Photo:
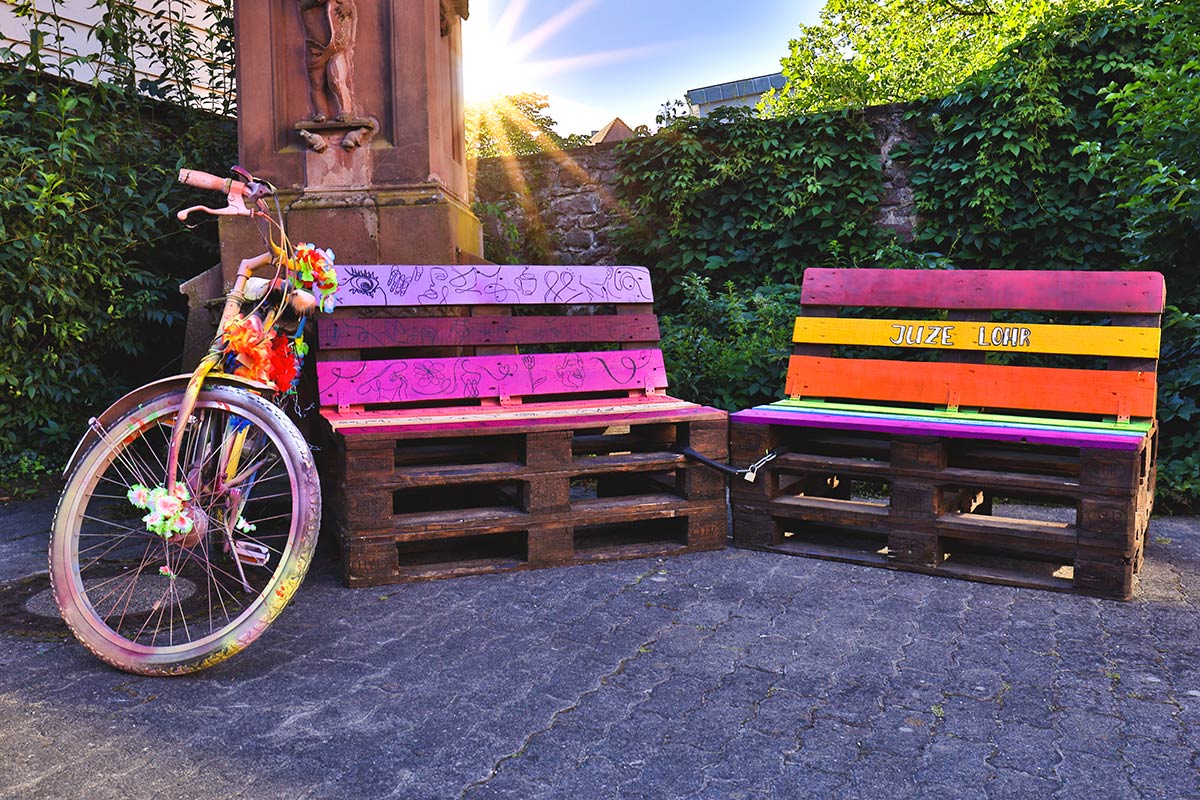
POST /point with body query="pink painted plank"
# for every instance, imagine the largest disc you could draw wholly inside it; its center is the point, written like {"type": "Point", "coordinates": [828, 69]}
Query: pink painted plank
{"type": "Point", "coordinates": [574, 418]}
{"type": "Point", "coordinates": [411, 285]}
{"type": "Point", "coordinates": [764, 415]}
{"type": "Point", "coordinates": [453, 331]}
{"type": "Point", "coordinates": [1032, 290]}
{"type": "Point", "coordinates": [430, 379]}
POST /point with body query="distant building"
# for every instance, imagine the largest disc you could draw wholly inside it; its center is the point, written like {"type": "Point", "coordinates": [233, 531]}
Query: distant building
{"type": "Point", "coordinates": [615, 131]}
{"type": "Point", "coordinates": [735, 93]}
{"type": "Point", "coordinates": [71, 25]}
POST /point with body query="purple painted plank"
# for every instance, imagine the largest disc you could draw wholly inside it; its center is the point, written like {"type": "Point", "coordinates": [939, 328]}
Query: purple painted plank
{"type": "Point", "coordinates": [428, 379]}
{"type": "Point", "coordinates": [895, 427]}
{"type": "Point", "coordinates": [1031, 290]}
{"type": "Point", "coordinates": [453, 331]}
{"type": "Point", "coordinates": [410, 285]}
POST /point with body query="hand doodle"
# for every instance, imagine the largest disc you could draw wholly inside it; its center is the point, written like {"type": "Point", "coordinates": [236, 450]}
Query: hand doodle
{"type": "Point", "coordinates": [400, 279]}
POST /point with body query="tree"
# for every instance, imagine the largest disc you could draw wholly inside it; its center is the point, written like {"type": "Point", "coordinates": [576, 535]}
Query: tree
{"type": "Point", "coordinates": [1155, 159]}
{"type": "Point", "coordinates": [516, 125]}
{"type": "Point", "coordinates": [870, 52]}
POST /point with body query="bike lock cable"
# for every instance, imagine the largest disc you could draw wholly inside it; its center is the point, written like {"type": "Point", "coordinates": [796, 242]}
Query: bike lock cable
{"type": "Point", "coordinates": [748, 473]}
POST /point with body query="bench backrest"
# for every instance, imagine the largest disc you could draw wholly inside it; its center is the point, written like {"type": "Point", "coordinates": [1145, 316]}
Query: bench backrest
{"type": "Point", "coordinates": [949, 315]}
{"type": "Point", "coordinates": [452, 335]}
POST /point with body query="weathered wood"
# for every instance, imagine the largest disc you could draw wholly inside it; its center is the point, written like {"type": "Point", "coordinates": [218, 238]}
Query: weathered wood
{"type": "Point", "coordinates": [975, 385]}
{"type": "Point", "coordinates": [470, 331]}
{"type": "Point", "coordinates": [1030, 290]}
{"type": "Point", "coordinates": [348, 383]}
{"type": "Point", "coordinates": [447, 285]}
{"type": "Point", "coordinates": [902, 427]}
{"type": "Point", "coordinates": [1090, 340]}
{"type": "Point", "coordinates": [462, 455]}
{"type": "Point", "coordinates": [930, 445]}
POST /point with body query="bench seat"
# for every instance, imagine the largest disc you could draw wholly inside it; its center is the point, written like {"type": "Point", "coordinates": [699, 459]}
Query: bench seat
{"type": "Point", "coordinates": [925, 406]}
{"type": "Point", "coordinates": [486, 418]}
{"type": "Point", "coordinates": [525, 418]}
{"type": "Point", "coordinates": [950, 424]}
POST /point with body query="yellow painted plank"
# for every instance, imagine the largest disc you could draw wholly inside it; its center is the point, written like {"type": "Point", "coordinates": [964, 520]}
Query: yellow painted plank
{"type": "Point", "coordinates": [1085, 340]}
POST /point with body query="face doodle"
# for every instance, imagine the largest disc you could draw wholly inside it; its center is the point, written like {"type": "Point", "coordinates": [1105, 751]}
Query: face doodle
{"type": "Point", "coordinates": [570, 371]}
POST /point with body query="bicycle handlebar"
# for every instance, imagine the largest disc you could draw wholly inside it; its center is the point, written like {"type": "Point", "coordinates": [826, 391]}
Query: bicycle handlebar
{"type": "Point", "coordinates": [205, 180]}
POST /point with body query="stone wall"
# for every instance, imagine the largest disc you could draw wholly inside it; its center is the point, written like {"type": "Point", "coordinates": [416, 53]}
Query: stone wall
{"type": "Point", "coordinates": [562, 205]}
{"type": "Point", "coordinates": [561, 208]}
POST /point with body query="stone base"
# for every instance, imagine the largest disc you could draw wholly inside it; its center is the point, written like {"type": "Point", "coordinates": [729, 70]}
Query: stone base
{"type": "Point", "coordinates": [403, 225]}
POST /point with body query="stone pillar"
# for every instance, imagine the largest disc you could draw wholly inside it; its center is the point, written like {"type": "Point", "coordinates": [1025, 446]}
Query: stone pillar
{"type": "Point", "coordinates": [354, 110]}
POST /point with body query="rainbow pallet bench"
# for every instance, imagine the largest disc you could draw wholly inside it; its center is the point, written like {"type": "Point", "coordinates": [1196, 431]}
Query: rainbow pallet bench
{"type": "Point", "coordinates": [491, 418]}
{"type": "Point", "coordinates": [900, 463]}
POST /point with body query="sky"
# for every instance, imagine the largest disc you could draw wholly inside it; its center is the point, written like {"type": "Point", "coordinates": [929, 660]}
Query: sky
{"type": "Point", "coordinates": [599, 59]}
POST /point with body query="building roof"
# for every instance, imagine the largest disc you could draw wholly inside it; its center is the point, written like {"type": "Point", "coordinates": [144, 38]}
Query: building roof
{"type": "Point", "coordinates": [614, 131]}
{"type": "Point", "coordinates": [733, 90]}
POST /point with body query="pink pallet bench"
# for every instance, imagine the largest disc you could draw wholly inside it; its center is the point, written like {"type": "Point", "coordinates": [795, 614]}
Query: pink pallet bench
{"type": "Point", "coordinates": [489, 418]}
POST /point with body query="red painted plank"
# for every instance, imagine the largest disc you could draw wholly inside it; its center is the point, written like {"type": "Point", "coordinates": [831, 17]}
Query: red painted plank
{"type": "Point", "coordinates": [1109, 393]}
{"type": "Point", "coordinates": [1032, 290]}
{"type": "Point", "coordinates": [465, 331]}
{"type": "Point", "coordinates": [434, 379]}
{"type": "Point", "coordinates": [765, 415]}
{"type": "Point", "coordinates": [445, 284]}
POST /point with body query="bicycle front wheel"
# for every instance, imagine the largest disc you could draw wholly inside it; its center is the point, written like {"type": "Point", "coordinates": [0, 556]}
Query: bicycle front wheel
{"type": "Point", "coordinates": [167, 602]}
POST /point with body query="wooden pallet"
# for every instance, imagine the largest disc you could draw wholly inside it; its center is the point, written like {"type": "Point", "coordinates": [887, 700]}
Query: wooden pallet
{"type": "Point", "coordinates": [454, 450]}
{"type": "Point", "coordinates": [879, 474]}
{"type": "Point", "coordinates": [929, 505]}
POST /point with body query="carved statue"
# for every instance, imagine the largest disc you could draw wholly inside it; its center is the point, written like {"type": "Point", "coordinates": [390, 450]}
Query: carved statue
{"type": "Point", "coordinates": [329, 33]}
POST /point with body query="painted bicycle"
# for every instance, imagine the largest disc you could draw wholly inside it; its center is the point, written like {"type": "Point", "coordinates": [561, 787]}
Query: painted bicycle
{"type": "Point", "coordinates": [192, 505]}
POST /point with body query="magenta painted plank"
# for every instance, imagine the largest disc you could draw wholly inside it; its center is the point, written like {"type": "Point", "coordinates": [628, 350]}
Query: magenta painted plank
{"type": "Point", "coordinates": [424, 285]}
{"type": "Point", "coordinates": [430, 379]}
{"type": "Point", "coordinates": [1032, 290]}
{"type": "Point", "coordinates": [575, 420]}
{"type": "Point", "coordinates": [453, 331]}
{"type": "Point", "coordinates": [885, 425]}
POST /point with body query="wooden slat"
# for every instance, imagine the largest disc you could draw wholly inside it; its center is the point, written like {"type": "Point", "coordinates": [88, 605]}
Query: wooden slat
{"type": "Point", "coordinates": [424, 285]}
{"type": "Point", "coordinates": [433, 379]}
{"type": "Point", "coordinates": [1029, 290]}
{"type": "Point", "coordinates": [1089, 340]}
{"type": "Point", "coordinates": [467, 331]}
{"type": "Point", "coordinates": [764, 415]}
{"type": "Point", "coordinates": [1040, 389]}
{"type": "Point", "coordinates": [1139, 426]}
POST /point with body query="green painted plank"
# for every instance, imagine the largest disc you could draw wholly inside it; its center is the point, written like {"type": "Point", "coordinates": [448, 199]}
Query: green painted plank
{"type": "Point", "coordinates": [1138, 427]}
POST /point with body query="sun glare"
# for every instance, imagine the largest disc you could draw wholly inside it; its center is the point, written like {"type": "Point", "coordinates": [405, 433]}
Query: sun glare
{"type": "Point", "coordinates": [501, 60]}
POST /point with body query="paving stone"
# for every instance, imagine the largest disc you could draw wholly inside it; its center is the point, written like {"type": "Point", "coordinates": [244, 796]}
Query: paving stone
{"type": "Point", "coordinates": [718, 675]}
{"type": "Point", "coordinates": [1013, 785]}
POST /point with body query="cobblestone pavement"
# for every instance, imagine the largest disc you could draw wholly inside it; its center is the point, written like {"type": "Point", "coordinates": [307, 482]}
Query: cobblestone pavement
{"type": "Point", "coordinates": [722, 675]}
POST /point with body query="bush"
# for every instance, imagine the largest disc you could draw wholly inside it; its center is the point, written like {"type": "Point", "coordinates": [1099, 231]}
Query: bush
{"type": "Point", "coordinates": [736, 198]}
{"type": "Point", "coordinates": [1179, 411]}
{"type": "Point", "coordinates": [729, 349]}
{"type": "Point", "coordinates": [91, 253]}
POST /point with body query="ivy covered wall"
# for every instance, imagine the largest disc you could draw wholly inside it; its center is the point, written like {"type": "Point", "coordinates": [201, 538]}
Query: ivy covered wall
{"type": "Point", "coordinates": [1079, 149]}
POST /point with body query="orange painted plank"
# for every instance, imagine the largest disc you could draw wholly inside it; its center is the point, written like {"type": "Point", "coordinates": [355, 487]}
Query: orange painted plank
{"type": "Point", "coordinates": [979, 289]}
{"type": "Point", "coordinates": [1108, 393]}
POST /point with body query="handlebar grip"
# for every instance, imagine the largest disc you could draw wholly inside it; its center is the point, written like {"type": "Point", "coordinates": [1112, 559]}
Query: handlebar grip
{"type": "Point", "coordinates": [205, 180]}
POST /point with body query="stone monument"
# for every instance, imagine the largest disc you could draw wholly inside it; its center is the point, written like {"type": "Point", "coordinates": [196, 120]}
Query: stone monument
{"type": "Point", "coordinates": [354, 109]}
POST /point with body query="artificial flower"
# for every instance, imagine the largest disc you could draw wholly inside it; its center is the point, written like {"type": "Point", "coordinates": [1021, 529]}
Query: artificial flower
{"type": "Point", "coordinates": [312, 268]}
{"type": "Point", "coordinates": [139, 495]}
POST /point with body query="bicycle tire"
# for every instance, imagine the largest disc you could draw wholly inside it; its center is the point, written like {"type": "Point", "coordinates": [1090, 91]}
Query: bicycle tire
{"type": "Point", "coordinates": [103, 593]}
